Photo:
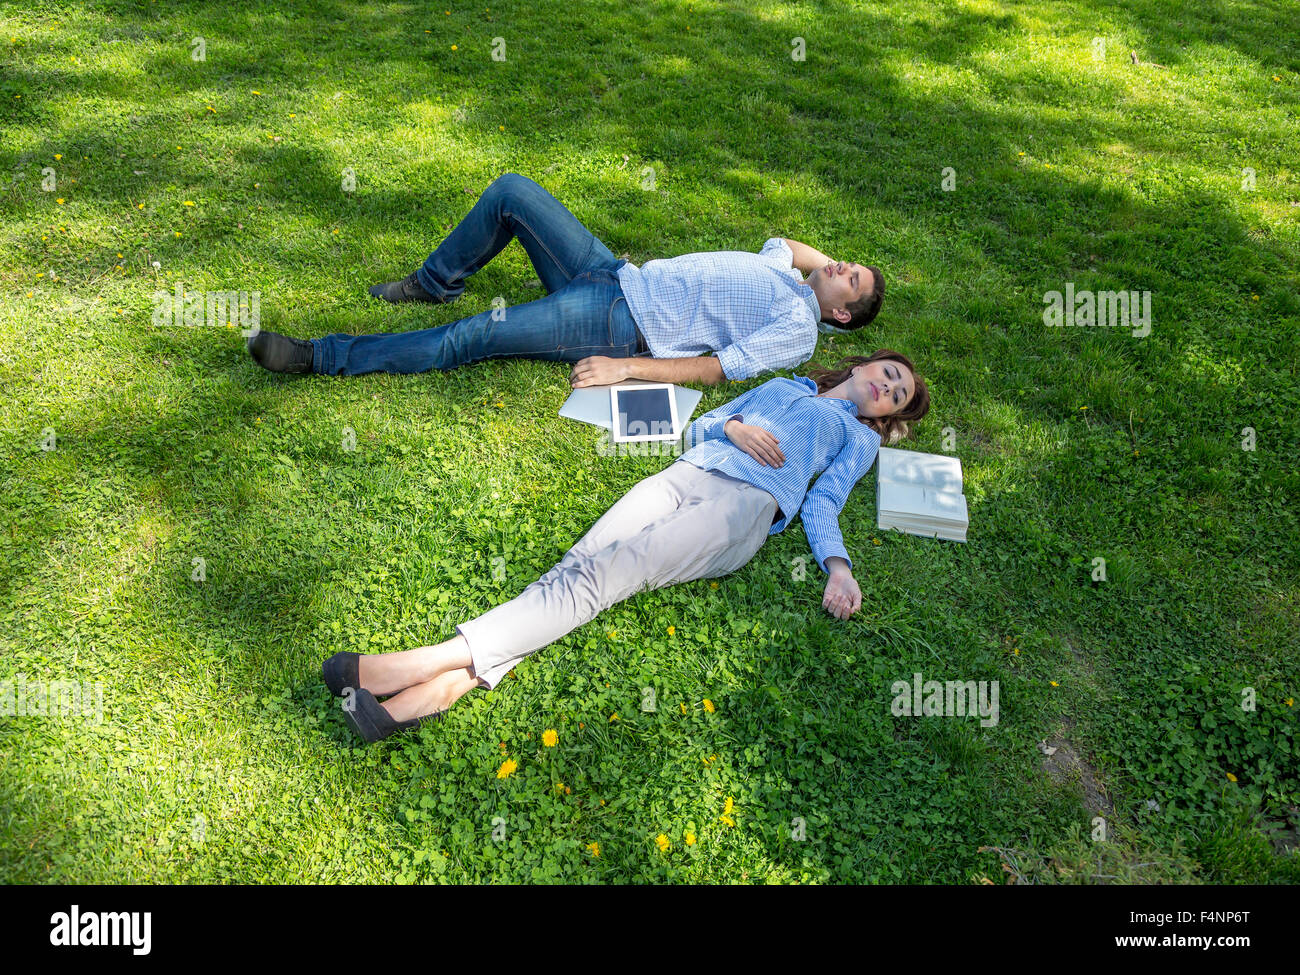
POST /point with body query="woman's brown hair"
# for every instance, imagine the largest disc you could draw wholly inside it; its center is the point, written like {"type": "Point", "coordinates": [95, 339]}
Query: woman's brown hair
{"type": "Point", "coordinates": [895, 426]}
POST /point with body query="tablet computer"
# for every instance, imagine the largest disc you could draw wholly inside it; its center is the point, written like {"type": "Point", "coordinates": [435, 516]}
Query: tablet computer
{"type": "Point", "coordinates": [647, 411]}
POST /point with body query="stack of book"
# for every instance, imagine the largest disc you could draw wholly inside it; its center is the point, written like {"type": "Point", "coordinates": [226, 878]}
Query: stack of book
{"type": "Point", "coordinates": [920, 494]}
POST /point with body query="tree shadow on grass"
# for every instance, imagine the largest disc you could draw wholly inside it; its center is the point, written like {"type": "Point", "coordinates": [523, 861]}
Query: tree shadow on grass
{"type": "Point", "coordinates": [868, 147]}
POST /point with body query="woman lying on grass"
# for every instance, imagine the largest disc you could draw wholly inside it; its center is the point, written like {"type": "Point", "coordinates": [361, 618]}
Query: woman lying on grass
{"type": "Point", "coordinates": [704, 515]}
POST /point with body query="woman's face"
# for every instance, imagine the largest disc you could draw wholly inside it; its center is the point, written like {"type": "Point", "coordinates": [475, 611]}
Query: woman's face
{"type": "Point", "coordinates": [882, 387]}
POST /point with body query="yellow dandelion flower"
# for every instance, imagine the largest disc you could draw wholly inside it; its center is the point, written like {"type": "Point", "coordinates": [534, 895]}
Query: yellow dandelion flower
{"type": "Point", "coordinates": [875, 541]}
{"type": "Point", "coordinates": [611, 633]}
{"type": "Point", "coordinates": [550, 737]}
{"type": "Point", "coordinates": [59, 200]}
{"type": "Point", "coordinates": [1055, 684]}
{"type": "Point", "coordinates": [189, 203]}
{"type": "Point", "coordinates": [501, 127]}
{"type": "Point", "coordinates": [672, 631]}
{"type": "Point", "coordinates": [593, 849]}
{"type": "Point", "coordinates": [559, 786]}
{"type": "Point", "coordinates": [690, 838]}
{"type": "Point", "coordinates": [176, 232]}
{"type": "Point", "coordinates": [682, 705]}
{"type": "Point", "coordinates": [613, 717]}
{"type": "Point", "coordinates": [1022, 153]}
{"type": "Point", "coordinates": [139, 206]}
{"type": "Point", "coordinates": [708, 705]}
{"type": "Point", "coordinates": [729, 806]}
{"type": "Point", "coordinates": [507, 768]}
{"type": "Point", "coordinates": [1290, 701]}
{"type": "Point", "coordinates": [662, 842]}
{"type": "Point", "coordinates": [453, 47]}
{"type": "Point", "coordinates": [728, 820]}
{"type": "Point", "coordinates": [713, 585]}
{"type": "Point", "coordinates": [256, 92]}
{"type": "Point", "coordinates": [1254, 297]}
{"type": "Point", "coordinates": [1231, 777]}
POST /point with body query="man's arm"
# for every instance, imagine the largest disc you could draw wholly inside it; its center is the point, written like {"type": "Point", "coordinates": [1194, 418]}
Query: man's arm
{"type": "Point", "coordinates": [806, 259]}
{"type": "Point", "coordinates": [599, 370]}
{"type": "Point", "coordinates": [691, 369]}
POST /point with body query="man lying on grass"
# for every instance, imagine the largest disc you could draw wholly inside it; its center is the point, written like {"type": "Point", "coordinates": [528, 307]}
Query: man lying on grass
{"type": "Point", "coordinates": [616, 321]}
{"type": "Point", "coordinates": [705, 515]}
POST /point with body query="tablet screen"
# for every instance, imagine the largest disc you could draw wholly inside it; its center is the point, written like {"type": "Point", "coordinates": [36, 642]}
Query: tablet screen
{"type": "Point", "coordinates": [644, 413]}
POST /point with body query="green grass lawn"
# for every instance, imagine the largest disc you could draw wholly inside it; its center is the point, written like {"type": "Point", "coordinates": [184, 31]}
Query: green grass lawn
{"type": "Point", "coordinates": [222, 757]}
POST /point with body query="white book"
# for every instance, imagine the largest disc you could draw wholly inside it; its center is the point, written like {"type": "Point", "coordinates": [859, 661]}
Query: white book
{"type": "Point", "coordinates": [920, 494]}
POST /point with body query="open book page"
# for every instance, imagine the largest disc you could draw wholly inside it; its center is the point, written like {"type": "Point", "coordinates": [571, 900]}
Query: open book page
{"type": "Point", "coordinates": [925, 470]}
{"type": "Point", "coordinates": [914, 503]}
{"type": "Point", "coordinates": [921, 494]}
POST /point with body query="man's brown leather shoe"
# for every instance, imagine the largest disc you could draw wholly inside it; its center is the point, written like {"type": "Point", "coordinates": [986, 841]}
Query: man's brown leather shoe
{"type": "Point", "coordinates": [408, 289]}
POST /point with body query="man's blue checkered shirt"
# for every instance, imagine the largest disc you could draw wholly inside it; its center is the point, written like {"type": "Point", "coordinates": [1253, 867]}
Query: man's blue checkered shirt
{"type": "Point", "coordinates": [753, 311]}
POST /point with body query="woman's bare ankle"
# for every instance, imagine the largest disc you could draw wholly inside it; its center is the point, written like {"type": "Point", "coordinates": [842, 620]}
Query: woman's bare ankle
{"type": "Point", "coordinates": [438, 694]}
{"type": "Point", "coordinates": [388, 673]}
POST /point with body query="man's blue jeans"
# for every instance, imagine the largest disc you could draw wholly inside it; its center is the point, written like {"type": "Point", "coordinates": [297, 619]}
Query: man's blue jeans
{"type": "Point", "coordinates": [584, 312]}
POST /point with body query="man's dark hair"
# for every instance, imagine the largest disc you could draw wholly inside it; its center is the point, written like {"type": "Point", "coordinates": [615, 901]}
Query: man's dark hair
{"type": "Point", "coordinates": [863, 311]}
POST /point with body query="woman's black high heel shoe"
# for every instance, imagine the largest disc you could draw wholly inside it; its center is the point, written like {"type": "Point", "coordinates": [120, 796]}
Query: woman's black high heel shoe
{"type": "Point", "coordinates": [369, 719]}
{"type": "Point", "coordinates": [342, 671]}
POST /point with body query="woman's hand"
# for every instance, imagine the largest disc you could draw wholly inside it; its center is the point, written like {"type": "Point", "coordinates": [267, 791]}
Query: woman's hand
{"type": "Point", "coordinates": [843, 598]}
{"type": "Point", "coordinates": [756, 442]}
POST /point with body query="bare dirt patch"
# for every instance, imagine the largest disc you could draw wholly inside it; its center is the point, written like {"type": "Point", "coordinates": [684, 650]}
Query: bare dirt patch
{"type": "Point", "coordinates": [1066, 765]}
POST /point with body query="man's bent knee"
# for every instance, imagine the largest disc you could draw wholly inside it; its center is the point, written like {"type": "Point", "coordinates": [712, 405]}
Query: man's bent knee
{"type": "Point", "coordinates": [509, 183]}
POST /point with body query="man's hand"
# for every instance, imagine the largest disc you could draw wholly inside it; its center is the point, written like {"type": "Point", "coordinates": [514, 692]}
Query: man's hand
{"type": "Point", "coordinates": [598, 370]}
{"type": "Point", "coordinates": [843, 598]}
{"type": "Point", "coordinates": [756, 442]}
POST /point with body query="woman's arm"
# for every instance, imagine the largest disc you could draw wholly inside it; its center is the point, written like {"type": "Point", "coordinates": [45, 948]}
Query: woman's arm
{"type": "Point", "coordinates": [712, 425]}
{"type": "Point", "coordinates": [820, 514]}
{"type": "Point", "coordinates": [842, 598]}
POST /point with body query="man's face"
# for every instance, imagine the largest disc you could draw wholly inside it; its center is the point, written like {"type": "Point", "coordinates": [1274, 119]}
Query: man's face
{"type": "Point", "coordinates": [836, 285]}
